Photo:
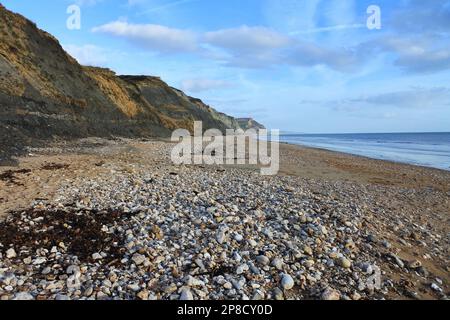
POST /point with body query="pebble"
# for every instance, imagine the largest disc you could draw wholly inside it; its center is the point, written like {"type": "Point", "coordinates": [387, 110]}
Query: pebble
{"type": "Point", "coordinates": [97, 256]}
{"type": "Point", "coordinates": [331, 294]}
{"type": "Point", "coordinates": [23, 296]}
{"type": "Point", "coordinates": [277, 263]}
{"type": "Point", "coordinates": [278, 294]}
{"type": "Point", "coordinates": [228, 235]}
{"type": "Point", "coordinates": [287, 282]}
{"type": "Point", "coordinates": [138, 259]}
{"type": "Point", "coordinates": [263, 260]}
{"type": "Point", "coordinates": [11, 253]}
{"type": "Point", "coordinates": [345, 263]}
{"type": "Point", "coordinates": [186, 295]}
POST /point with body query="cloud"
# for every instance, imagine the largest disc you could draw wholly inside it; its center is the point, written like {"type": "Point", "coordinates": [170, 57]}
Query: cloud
{"type": "Point", "coordinates": [417, 54]}
{"type": "Point", "coordinates": [418, 98]}
{"type": "Point", "coordinates": [247, 39]}
{"type": "Point", "coordinates": [201, 84]}
{"type": "Point", "coordinates": [87, 55]}
{"type": "Point", "coordinates": [244, 47]}
{"type": "Point", "coordinates": [422, 17]}
{"type": "Point", "coordinates": [154, 37]}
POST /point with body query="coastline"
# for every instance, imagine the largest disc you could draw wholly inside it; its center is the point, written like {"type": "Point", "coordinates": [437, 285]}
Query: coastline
{"type": "Point", "coordinates": [334, 215]}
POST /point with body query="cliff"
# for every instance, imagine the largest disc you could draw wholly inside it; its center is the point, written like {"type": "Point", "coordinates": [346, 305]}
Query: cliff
{"type": "Point", "coordinates": [46, 94]}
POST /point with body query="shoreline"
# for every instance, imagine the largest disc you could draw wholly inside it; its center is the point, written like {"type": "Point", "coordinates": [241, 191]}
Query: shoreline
{"type": "Point", "coordinates": [221, 232]}
{"type": "Point", "coordinates": [364, 157]}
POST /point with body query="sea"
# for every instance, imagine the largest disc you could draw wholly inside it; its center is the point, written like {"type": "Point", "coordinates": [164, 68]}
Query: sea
{"type": "Point", "coordinates": [422, 149]}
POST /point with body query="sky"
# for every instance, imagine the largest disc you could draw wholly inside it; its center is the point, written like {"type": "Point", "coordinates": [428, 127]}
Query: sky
{"type": "Point", "coordinates": [310, 66]}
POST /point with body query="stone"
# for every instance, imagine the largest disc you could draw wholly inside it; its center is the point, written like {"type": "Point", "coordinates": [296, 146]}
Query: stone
{"type": "Point", "coordinates": [278, 294]}
{"type": "Point", "coordinates": [143, 295]}
{"type": "Point", "coordinates": [138, 259]}
{"type": "Point", "coordinates": [227, 285]}
{"type": "Point", "coordinates": [27, 260]}
{"type": "Point", "coordinates": [220, 237]}
{"type": "Point", "coordinates": [308, 250]}
{"type": "Point", "coordinates": [416, 264]}
{"type": "Point", "coordinates": [330, 294]}
{"type": "Point", "coordinates": [97, 256]}
{"type": "Point", "coordinates": [22, 296]}
{"type": "Point", "coordinates": [262, 260]}
{"type": "Point", "coordinates": [277, 263]}
{"type": "Point", "coordinates": [367, 268]}
{"type": "Point", "coordinates": [436, 288]}
{"type": "Point", "coordinates": [186, 295]}
{"type": "Point", "coordinates": [397, 261]}
{"type": "Point", "coordinates": [287, 282]}
{"type": "Point", "coordinates": [11, 253]}
{"type": "Point", "coordinates": [39, 260]}
{"type": "Point", "coordinates": [345, 263]}
{"type": "Point", "coordinates": [242, 268]}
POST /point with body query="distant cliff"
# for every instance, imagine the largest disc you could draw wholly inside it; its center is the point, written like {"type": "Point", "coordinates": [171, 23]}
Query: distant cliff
{"type": "Point", "coordinates": [45, 93]}
{"type": "Point", "coordinates": [249, 123]}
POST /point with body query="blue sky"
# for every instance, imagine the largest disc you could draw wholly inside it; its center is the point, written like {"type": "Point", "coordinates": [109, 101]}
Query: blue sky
{"type": "Point", "coordinates": [306, 66]}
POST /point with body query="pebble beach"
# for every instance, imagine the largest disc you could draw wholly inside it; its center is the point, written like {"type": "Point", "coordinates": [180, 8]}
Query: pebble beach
{"type": "Point", "coordinates": [116, 220]}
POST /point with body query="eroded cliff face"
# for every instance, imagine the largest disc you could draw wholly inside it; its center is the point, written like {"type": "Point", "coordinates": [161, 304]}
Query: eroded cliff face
{"type": "Point", "coordinates": [45, 93]}
{"type": "Point", "coordinates": [249, 123]}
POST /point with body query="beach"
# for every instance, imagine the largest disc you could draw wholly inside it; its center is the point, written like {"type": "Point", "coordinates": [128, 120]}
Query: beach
{"type": "Point", "coordinates": [115, 219]}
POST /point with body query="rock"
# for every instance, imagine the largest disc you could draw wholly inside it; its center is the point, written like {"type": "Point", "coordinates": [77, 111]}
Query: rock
{"type": "Point", "coordinates": [186, 295]}
{"type": "Point", "coordinates": [416, 264]}
{"type": "Point", "coordinates": [97, 256]}
{"type": "Point", "coordinates": [278, 294]}
{"type": "Point", "coordinates": [372, 238]}
{"type": "Point", "coordinates": [134, 287]}
{"type": "Point", "coordinates": [143, 295]}
{"type": "Point", "coordinates": [27, 260]}
{"type": "Point", "coordinates": [277, 263]}
{"type": "Point", "coordinates": [386, 244]}
{"type": "Point", "coordinates": [258, 295]}
{"type": "Point", "coordinates": [11, 253]}
{"type": "Point", "coordinates": [138, 259]}
{"type": "Point", "coordinates": [287, 282]}
{"type": "Point", "coordinates": [252, 243]}
{"type": "Point", "coordinates": [367, 268]}
{"type": "Point", "coordinates": [262, 260]}
{"type": "Point", "coordinates": [344, 263]}
{"type": "Point", "coordinates": [242, 268]}
{"type": "Point", "coordinates": [227, 285]}
{"type": "Point", "coordinates": [397, 261]}
{"type": "Point", "coordinates": [220, 236]}
{"type": "Point", "coordinates": [39, 260]}
{"type": "Point", "coordinates": [22, 296]}
{"type": "Point", "coordinates": [331, 294]}
{"type": "Point", "coordinates": [238, 237]}
{"type": "Point", "coordinates": [308, 250]}
{"type": "Point", "coordinates": [193, 282]}
{"type": "Point", "coordinates": [436, 288]}
{"type": "Point", "coordinates": [356, 296]}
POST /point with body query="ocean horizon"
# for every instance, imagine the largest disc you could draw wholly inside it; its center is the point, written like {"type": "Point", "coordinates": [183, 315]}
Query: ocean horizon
{"type": "Point", "coordinates": [428, 149]}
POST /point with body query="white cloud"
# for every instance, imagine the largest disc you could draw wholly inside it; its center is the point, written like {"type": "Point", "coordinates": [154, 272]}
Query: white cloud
{"type": "Point", "coordinates": [202, 84]}
{"type": "Point", "coordinates": [247, 39]}
{"type": "Point", "coordinates": [155, 37]}
{"type": "Point", "coordinates": [88, 55]}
